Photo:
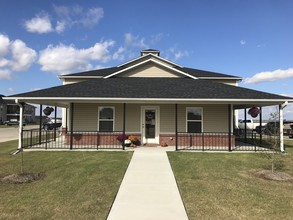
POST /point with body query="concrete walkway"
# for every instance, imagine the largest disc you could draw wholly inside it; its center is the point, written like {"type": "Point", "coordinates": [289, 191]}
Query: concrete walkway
{"type": "Point", "coordinates": [148, 190]}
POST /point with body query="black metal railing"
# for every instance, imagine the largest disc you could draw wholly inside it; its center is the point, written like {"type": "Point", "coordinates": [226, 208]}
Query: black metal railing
{"type": "Point", "coordinates": [223, 141]}
{"type": "Point", "coordinates": [260, 142]}
{"type": "Point", "coordinates": [205, 141]}
{"type": "Point", "coordinates": [52, 139]}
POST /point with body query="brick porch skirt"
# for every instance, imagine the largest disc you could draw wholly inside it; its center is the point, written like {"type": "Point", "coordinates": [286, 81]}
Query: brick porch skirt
{"type": "Point", "coordinates": [215, 140]}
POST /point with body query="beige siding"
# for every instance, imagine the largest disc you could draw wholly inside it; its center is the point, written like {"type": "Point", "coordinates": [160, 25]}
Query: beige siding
{"type": "Point", "coordinates": [167, 118]}
{"type": "Point", "coordinates": [149, 70]}
{"type": "Point", "coordinates": [86, 116]}
{"type": "Point", "coordinates": [215, 117]}
{"type": "Point", "coordinates": [133, 118]}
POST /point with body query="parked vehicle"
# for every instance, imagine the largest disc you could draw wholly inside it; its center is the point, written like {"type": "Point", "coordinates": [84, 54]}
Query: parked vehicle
{"type": "Point", "coordinates": [273, 128]}
{"type": "Point", "coordinates": [51, 124]}
{"type": "Point", "coordinates": [13, 122]}
{"type": "Point", "coordinates": [250, 124]}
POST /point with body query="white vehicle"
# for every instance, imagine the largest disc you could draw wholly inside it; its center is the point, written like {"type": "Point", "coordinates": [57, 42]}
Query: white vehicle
{"type": "Point", "coordinates": [250, 124]}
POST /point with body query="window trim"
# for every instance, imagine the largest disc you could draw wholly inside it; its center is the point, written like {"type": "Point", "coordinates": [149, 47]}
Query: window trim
{"type": "Point", "coordinates": [201, 121]}
{"type": "Point", "coordinates": [99, 109]}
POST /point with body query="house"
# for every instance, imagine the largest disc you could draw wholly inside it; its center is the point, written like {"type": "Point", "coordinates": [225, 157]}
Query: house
{"type": "Point", "coordinates": [154, 99]}
{"type": "Point", "coordinates": [10, 110]}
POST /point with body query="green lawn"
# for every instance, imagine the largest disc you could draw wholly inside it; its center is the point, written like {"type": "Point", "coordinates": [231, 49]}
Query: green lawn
{"type": "Point", "coordinates": [78, 185]}
{"type": "Point", "coordinates": [222, 186]}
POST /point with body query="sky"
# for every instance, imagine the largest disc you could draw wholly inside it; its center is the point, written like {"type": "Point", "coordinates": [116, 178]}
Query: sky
{"type": "Point", "coordinates": [40, 40]}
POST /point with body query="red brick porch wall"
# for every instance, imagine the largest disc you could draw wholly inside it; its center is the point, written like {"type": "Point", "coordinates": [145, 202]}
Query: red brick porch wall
{"type": "Point", "coordinates": [217, 140]}
{"type": "Point", "coordinates": [94, 139]}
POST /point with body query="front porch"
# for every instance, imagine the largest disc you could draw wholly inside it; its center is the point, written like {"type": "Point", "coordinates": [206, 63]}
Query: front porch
{"type": "Point", "coordinates": [94, 140]}
{"type": "Point", "coordinates": [193, 126]}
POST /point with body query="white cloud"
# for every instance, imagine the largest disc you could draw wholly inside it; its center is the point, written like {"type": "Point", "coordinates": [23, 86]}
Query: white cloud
{"type": "Point", "coordinates": [134, 41]}
{"type": "Point", "coordinates": [270, 76]}
{"type": "Point", "coordinates": [61, 25]}
{"type": "Point", "coordinates": [40, 24]}
{"type": "Point", "coordinates": [242, 42]}
{"type": "Point", "coordinates": [11, 90]}
{"type": "Point", "coordinates": [176, 54]}
{"type": "Point", "coordinates": [15, 56]}
{"type": "Point", "coordinates": [64, 17]}
{"type": "Point", "coordinates": [4, 45]}
{"type": "Point", "coordinates": [23, 56]}
{"type": "Point", "coordinates": [5, 74]}
{"type": "Point", "coordinates": [92, 17]}
{"type": "Point", "coordinates": [73, 59]}
{"type": "Point", "coordinates": [118, 55]}
{"type": "Point", "coordinates": [68, 16]}
{"type": "Point", "coordinates": [180, 54]}
{"type": "Point", "coordinates": [3, 62]}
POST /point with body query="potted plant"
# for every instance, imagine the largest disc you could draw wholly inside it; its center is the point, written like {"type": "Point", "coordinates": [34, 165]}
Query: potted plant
{"type": "Point", "coordinates": [134, 140]}
{"type": "Point", "coordinates": [121, 138]}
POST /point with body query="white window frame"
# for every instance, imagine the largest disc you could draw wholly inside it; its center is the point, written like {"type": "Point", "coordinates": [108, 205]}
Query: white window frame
{"type": "Point", "coordinates": [99, 109]}
{"type": "Point", "coordinates": [201, 110]}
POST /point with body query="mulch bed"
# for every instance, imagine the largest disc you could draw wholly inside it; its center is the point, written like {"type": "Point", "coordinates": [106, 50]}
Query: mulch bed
{"type": "Point", "coordinates": [278, 176]}
{"type": "Point", "coordinates": [22, 178]}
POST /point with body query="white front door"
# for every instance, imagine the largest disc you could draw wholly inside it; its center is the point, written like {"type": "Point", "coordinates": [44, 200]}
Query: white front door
{"type": "Point", "coordinates": [150, 124]}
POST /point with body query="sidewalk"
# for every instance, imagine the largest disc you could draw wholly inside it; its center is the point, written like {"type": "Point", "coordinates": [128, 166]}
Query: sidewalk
{"type": "Point", "coordinates": [148, 190]}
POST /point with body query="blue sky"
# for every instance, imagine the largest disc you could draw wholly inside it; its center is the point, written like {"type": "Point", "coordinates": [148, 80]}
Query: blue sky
{"type": "Point", "coordinates": [40, 40]}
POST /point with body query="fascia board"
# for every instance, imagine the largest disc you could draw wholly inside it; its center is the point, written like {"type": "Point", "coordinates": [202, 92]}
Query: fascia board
{"type": "Point", "coordinates": [158, 57]}
{"type": "Point", "coordinates": [146, 61]}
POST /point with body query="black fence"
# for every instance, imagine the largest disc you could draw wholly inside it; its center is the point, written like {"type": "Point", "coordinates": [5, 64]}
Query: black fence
{"type": "Point", "coordinates": [205, 141]}
{"type": "Point", "coordinates": [54, 139]}
{"type": "Point", "coordinates": [223, 141]}
{"type": "Point", "coordinates": [260, 142]}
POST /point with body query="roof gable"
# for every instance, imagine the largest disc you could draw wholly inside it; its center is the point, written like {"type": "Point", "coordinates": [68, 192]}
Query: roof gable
{"type": "Point", "coordinates": [152, 60]}
{"type": "Point", "coordinates": [150, 57]}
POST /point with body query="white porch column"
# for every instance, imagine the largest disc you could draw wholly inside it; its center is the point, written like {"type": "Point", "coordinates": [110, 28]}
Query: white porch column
{"type": "Point", "coordinates": [281, 119]}
{"type": "Point", "coordinates": [64, 116]}
{"type": "Point", "coordinates": [20, 124]}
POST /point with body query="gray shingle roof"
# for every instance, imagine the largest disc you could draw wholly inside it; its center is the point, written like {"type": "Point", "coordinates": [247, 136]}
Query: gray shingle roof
{"type": "Point", "coordinates": [98, 72]}
{"type": "Point", "coordinates": [203, 73]}
{"type": "Point", "coordinates": [194, 72]}
{"type": "Point", "coordinates": [173, 88]}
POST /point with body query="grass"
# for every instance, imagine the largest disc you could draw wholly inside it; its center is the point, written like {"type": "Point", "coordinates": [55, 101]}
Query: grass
{"type": "Point", "coordinates": [78, 185]}
{"type": "Point", "coordinates": [222, 186]}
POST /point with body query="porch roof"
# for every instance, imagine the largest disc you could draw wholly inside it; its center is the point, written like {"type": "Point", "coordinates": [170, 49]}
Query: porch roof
{"type": "Point", "coordinates": [152, 90]}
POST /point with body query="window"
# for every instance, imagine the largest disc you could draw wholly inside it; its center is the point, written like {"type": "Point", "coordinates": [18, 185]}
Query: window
{"type": "Point", "coordinates": [106, 119]}
{"type": "Point", "coordinates": [194, 119]}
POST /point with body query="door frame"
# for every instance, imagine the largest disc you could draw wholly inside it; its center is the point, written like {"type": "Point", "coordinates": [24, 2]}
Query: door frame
{"type": "Point", "coordinates": [157, 125]}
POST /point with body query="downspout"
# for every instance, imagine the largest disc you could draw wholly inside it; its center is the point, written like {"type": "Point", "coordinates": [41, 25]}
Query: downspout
{"type": "Point", "coordinates": [20, 104]}
{"type": "Point", "coordinates": [281, 119]}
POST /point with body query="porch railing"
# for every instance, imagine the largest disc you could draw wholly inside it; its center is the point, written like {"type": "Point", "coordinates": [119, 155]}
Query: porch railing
{"type": "Point", "coordinates": [51, 139]}
{"type": "Point", "coordinates": [219, 141]}
{"type": "Point", "coordinates": [205, 141]}
{"type": "Point", "coordinates": [260, 142]}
